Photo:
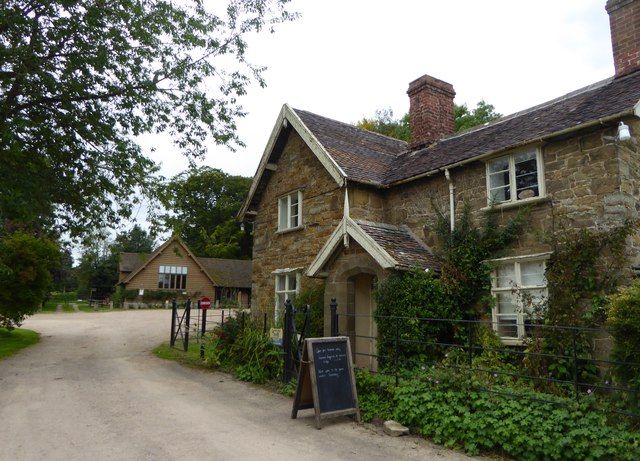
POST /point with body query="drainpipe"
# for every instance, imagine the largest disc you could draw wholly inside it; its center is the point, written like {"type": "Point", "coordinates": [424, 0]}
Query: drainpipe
{"type": "Point", "coordinates": [452, 189]}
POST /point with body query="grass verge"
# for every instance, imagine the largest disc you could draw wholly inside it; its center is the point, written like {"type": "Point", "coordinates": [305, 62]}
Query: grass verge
{"type": "Point", "coordinates": [14, 340]}
{"type": "Point", "coordinates": [190, 357]}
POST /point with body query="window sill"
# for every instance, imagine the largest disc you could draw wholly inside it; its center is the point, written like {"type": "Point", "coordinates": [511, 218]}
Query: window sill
{"type": "Point", "coordinates": [510, 341]}
{"type": "Point", "coordinates": [508, 205]}
{"type": "Point", "coordinates": [291, 229]}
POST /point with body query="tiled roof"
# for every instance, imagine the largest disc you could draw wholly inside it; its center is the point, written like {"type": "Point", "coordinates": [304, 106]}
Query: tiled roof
{"type": "Point", "coordinates": [129, 262]}
{"type": "Point", "coordinates": [598, 101]}
{"type": "Point", "coordinates": [401, 245]}
{"type": "Point", "coordinates": [364, 156]}
{"type": "Point", "coordinates": [375, 159]}
{"type": "Point", "coordinates": [233, 273]}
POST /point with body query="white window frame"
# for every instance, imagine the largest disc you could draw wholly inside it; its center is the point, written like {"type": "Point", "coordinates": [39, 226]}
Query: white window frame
{"type": "Point", "coordinates": [287, 198]}
{"type": "Point", "coordinates": [288, 292]}
{"type": "Point", "coordinates": [179, 273]}
{"type": "Point", "coordinates": [514, 292]}
{"type": "Point", "coordinates": [542, 192]}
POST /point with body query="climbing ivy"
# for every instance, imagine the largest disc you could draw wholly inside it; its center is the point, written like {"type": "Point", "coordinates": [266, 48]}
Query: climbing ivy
{"type": "Point", "coordinates": [585, 267]}
{"type": "Point", "coordinates": [461, 290]}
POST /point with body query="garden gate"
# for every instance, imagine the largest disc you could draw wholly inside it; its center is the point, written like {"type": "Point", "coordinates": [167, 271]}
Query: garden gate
{"type": "Point", "coordinates": [180, 324]}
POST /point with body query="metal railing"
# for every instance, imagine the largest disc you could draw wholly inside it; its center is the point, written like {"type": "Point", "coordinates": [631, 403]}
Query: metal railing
{"type": "Point", "coordinates": [411, 343]}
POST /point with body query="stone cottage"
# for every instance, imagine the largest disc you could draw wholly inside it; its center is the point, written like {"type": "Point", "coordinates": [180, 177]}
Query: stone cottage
{"type": "Point", "coordinates": [172, 267]}
{"type": "Point", "coordinates": [331, 203]}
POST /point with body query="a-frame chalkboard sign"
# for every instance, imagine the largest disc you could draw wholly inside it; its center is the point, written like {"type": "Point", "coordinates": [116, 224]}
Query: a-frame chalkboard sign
{"type": "Point", "coordinates": [326, 381]}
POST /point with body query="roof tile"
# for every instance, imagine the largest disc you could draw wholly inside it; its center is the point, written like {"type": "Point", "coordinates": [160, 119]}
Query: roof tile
{"type": "Point", "coordinates": [401, 245]}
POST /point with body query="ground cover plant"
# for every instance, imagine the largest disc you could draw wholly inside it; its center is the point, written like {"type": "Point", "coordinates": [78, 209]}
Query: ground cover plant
{"type": "Point", "coordinates": [516, 421]}
{"type": "Point", "coordinates": [13, 340]}
{"type": "Point", "coordinates": [453, 380]}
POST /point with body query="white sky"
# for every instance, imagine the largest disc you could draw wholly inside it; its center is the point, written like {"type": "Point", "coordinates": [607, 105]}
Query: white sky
{"type": "Point", "coordinates": [345, 59]}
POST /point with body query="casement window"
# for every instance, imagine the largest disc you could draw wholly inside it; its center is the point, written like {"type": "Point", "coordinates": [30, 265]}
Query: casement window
{"type": "Point", "coordinates": [290, 211]}
{"type": "Point", "coordinates": [287, 286]}
{"type": "Point", "coordinates": [172, 277]}
{"type": "Point", "coordinates": [520, 291]}
{"type": "Point", "coordinates": [515, 177]}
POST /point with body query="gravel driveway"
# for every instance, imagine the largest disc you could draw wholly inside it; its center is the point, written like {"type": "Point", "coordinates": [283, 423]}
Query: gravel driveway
{"type": "Point", "coordinates": [92, 390]}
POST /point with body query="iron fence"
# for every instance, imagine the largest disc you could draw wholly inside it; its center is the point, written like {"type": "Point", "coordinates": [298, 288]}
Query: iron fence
{"type": "Point", "coordinates": [189, 321]}
{"type": "Point", "coordinates": [554, 360]}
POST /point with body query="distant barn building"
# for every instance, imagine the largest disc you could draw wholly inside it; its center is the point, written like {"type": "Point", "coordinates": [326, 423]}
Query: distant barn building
{"type": "Point", "coordinates": [173, 267]}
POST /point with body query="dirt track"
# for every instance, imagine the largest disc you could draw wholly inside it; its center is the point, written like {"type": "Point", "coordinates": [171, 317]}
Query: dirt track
{"type": "Point", "coordinates": [92, 390]}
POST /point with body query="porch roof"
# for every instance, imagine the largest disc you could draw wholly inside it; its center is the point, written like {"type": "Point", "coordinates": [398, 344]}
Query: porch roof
{"type": "Point", "coordinates": [393, 247]}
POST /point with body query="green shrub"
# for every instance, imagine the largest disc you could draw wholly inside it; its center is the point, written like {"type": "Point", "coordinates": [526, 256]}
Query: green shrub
{"type": "Point", "coordinates": [376, 395]}
{"type": "Point", "coordinates": [401, 299]}
{"type": "Point", "coordinates": [229, 331]}
{"type": "Point", "coordinates": [25, 275]}
{"type": "Point", "coordinates": [523, 424]}
{"type": "Point", "coordinates": [255, 357]}
{"type": "Point", "coordinates": [244, 350]}
{"type": "Point", "coordinates": [624, 323]}
{"type": "Point", "coordinates": [314, 297]}
{"type": "Point", "coordinates": [63, 297]}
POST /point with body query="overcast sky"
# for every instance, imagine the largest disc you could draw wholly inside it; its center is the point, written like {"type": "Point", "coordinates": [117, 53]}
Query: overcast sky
{"type": "Point", "coordinates": [345, 59]}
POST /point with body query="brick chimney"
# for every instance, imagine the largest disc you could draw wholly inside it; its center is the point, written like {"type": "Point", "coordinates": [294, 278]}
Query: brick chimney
{"type": "Point", "coordinates": [430, 110]}
{"type": "Point", "coordinates": [624, 19]}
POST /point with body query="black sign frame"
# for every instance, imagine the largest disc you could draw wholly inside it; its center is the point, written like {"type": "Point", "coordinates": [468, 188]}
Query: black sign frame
{"type": "Point", "coordinates": [307, 395]}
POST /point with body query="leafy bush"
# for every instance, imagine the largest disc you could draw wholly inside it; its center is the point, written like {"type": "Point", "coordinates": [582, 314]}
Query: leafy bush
{"type": "Point", "coordinates": [314, 297]}
{"type": "Point", "coordinates": [437, 403]}
{"type": "Point", "coordinates": [402, 298]}
{"type": "Point", "coordinates": [584, 268]}
{"type": "Point", "coordinates": [376, 394]}
{"type": "Point", "coordinates": [244, 350]}
{"type": "Point", "coordinates": [228, 332]}
{"type": "Point", "coordinates": [64, 297]}
{"type": "Point", "coordinates": [25, 277]}
{"type": "Point", "coordinates": [624, 322]}
{"type": "Point", "coordinates": [460, 291]}
{"type": "Point", "coordinates": [162, 295]}
{"type": "Point", "coordinates": [522, 428]}
{"type": "Point", "coordinates": [256, 358]}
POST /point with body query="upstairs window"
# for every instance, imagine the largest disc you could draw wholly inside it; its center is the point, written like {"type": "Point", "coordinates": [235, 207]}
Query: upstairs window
{"type": "Point", "coordinates": [172, 277]}
{"type": "Point", "coordinates": [520, 292]}
{"type": "Point", "coordinates": [290, 211]}
{"type": "Point", "coordinates": [515, 177]}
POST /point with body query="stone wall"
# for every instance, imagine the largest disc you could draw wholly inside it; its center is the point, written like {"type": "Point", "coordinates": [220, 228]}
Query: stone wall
{"type": "Point", "coordinates": [366, 203]}
{"type": "Point", "coordinates": [322, 208]}
{"type": "Point", "coordinates": [590, 182]}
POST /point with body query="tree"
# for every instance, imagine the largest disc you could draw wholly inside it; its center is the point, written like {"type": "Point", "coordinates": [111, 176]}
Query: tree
{"type": "Point", "coordinates": [483, 113]}
{"type": "Point", "coordinates": [63, 273]}
{"type": "Point", "coordinates": [384, 123]}
{"type": "Point", "coordinates": [80, 80]}
{"type": "Point", "coordinates": [97, 273]}
{"type": "Point", "coordinates": [203, 203]}
{"type": "Point", "coordinates": [135, 240]}
{"type": "Point", "coordinates": [25, 275]}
